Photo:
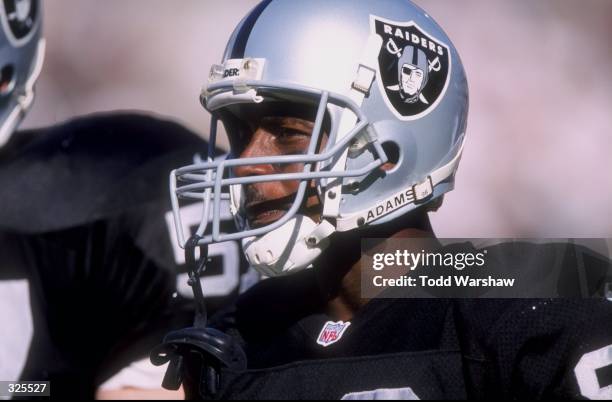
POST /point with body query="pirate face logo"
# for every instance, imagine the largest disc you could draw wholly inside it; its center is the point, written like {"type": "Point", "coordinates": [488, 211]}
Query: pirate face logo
{"type": "Point", "coordinates": [412, 73]}
{"type": "Point", "coordinates": [413, 68]}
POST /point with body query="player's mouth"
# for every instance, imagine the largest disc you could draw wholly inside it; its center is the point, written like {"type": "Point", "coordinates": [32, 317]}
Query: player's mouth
{"type": "Point", "coordinates": [261, 213]}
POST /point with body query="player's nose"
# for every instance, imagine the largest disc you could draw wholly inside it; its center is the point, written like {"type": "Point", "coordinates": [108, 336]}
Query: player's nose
{"type": "Point", "coordinates": [260, 145]}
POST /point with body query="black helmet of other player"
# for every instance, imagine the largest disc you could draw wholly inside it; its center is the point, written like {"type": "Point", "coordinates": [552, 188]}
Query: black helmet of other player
{"type": "Point", "coordinates": [21, 59]}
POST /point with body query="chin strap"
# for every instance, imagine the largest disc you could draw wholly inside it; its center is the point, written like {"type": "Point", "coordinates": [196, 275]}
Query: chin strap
{"type": "Point", "coordinates": [196, 355]}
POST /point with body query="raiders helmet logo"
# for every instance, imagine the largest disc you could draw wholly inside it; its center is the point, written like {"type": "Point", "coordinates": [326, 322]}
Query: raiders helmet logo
{"type": "Point", "coordinates": [413, 68]}
{"type": "Point", "coordinates": [21, 17]}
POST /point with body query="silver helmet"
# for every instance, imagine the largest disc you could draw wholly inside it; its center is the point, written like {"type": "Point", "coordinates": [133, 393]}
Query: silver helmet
{"type": "Point", "coordinates": [21, 58]}
{"type": "Point", "coordinates": [347, 69]}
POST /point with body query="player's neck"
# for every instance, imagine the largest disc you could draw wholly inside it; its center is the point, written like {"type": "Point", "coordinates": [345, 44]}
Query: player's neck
{"type": "Point", "coordinates": [346, 300]}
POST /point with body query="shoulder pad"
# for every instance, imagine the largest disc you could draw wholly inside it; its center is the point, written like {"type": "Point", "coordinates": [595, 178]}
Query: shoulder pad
{"type": "Point", "coordinates": [90, 168]}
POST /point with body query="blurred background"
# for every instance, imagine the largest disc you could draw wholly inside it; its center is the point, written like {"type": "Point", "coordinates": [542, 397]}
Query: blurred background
{"type": "Point", "coordinates": [537, 160]}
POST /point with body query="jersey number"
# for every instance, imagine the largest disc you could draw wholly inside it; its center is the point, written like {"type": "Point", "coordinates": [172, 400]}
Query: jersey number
{"type": "Point", "coordinates": [214, 285]}
{"type": "Point", "coordinates": [594, 374]}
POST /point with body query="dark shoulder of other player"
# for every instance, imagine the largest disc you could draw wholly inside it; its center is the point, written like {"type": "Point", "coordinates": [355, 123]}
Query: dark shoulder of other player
{"type": "Point", "coordinates": [111, 167]}
{"type": "Point", "coordinates": [97, 303]}
{"type": "Point", "coordinates": [89, 168]}
{"type": "Point", "coordinates": [84, 207]}
{"type": "Point", "coordinates": [541, 348]}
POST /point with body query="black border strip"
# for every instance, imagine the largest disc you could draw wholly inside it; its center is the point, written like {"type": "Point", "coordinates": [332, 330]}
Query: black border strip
{"type": "Point", "coordinates": [245, 31]}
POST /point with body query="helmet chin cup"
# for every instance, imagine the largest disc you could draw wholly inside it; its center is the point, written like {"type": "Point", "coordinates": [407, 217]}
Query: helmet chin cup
{"type": "Point", "coordinates": [291, 248]}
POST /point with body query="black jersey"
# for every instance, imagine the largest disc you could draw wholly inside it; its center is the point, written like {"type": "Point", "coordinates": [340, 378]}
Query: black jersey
{"type": "Point", "coordinates": [85, 219]}
{"type": "Point", "coordinates": [417, 348]}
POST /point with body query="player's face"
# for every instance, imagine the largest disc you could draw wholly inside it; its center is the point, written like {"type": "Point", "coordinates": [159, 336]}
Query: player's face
{"type": "Point", "coordinates": [287, 133]}
{"type": "Point", "coordinates": [412, 79]}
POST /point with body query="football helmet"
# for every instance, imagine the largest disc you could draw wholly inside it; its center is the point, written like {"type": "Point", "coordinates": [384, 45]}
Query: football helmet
{"type": "Point", "coordinates": [351, 61]}
{"type": "Point", "coordinates": [22, 51]}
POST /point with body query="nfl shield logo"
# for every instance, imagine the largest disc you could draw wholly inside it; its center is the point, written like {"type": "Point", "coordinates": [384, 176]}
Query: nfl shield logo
{"type": "Point", "coordinates": [332, 332]}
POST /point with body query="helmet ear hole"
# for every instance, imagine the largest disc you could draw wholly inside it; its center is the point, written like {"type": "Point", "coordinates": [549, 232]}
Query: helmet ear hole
{"type": "Point", "coordinates": [7, 80]}
{"type": "Point", "coordinates": [392, 151]}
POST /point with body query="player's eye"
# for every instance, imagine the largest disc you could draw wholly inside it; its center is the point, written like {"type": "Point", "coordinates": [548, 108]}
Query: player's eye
{"type": "Point", "coordinates": [287, 133]}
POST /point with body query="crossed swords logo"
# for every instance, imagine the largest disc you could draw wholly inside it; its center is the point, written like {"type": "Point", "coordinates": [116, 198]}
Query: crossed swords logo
{"type": "Point", "coordinates": [434, 65]}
